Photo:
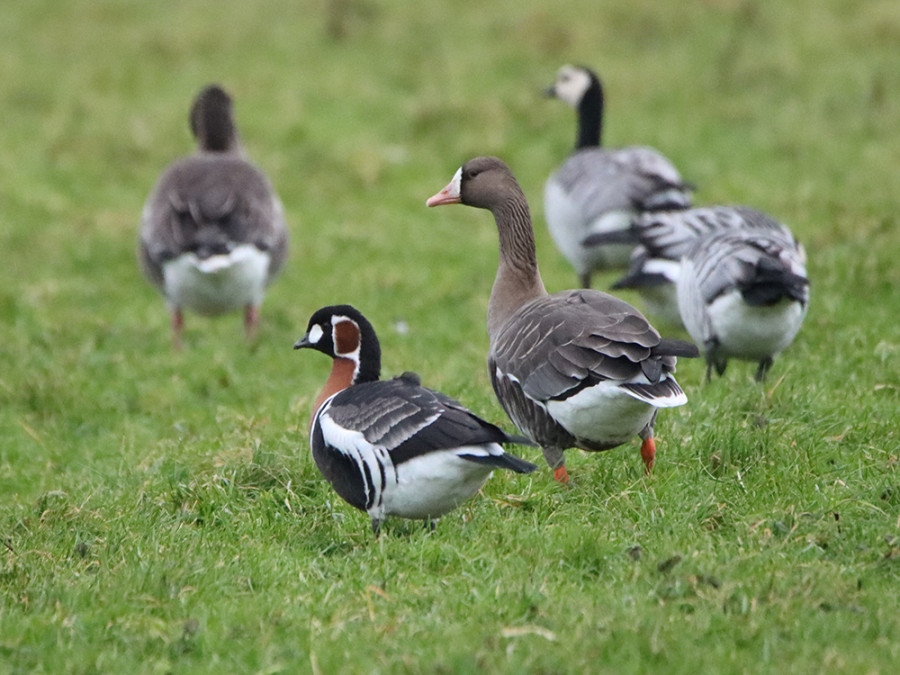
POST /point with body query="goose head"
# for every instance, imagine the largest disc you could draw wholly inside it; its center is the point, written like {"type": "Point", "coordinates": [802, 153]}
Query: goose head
{"type": "Point", "coordinates": [483, 182]}
{"type": "Point", "coordinates": [571, 84]}
{"type": "Point", "coordinates": [343, 333]}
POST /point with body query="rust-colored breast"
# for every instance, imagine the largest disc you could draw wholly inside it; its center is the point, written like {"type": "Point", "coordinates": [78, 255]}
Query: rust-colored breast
{"type": "Point", "coordinates": [340, 378]}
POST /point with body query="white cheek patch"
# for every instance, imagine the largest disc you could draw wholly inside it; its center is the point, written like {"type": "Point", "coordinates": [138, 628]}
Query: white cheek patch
{"type": "Point", "coordinates": [315, 334]}
{"type": "Point", "coordinates": [571, 84]}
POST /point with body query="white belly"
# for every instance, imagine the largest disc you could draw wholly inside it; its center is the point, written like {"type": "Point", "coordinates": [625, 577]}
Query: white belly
{"type": "Point", "coordinates": [603, 413]}
{"type": "Point", "coordinates": [569, 227]}
{"type": "Point", "coordinates": [662, 300]}
{"type": "Point", "coordinates": [433, 484]}
{"type": "Point", "coordinates": [217, 284]}
{"type": "Point", "coordinates": [754, 333]}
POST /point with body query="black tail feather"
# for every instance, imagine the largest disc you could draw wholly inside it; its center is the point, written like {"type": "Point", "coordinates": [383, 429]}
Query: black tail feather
{"type": "Point", "coordinates": [628, 236]}
{"type": "Point", "coordinates": [504, 461]}
{"type": "Point", "coordinates": [682, 348]}
{"type": "Point", "coordinates": [641, 280]}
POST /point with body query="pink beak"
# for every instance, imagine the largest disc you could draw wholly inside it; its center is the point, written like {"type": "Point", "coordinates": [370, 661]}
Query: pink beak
{"type": "Point", "coordinates": [449, 195]}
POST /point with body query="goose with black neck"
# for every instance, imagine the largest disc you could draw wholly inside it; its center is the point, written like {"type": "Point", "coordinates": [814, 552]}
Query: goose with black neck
{"type": "Point", "coordinates": [394, 447]}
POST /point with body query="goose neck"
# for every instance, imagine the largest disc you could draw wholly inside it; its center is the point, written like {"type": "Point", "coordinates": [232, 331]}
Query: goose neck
{"type": "Point", "coordinates": [590, 119]}
{"type": "Point", "coordinates": [518, 278]}
{"type": "Point", "coordinates": [343, 372]}
{"type": "Point", "coordinates": [216, 132]}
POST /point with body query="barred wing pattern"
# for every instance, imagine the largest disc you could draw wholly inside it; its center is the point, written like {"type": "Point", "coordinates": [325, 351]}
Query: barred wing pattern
{"type": "Point", "coordinates": [559, 345]}
{"type": "Point", "coordinates": [637, 177]}
{"type": "Point", "coordinates": [743, 294]}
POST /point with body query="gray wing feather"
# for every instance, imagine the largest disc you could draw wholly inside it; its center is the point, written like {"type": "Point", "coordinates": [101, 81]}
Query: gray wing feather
{"type": "Point", "coordinates": [211, 199]}
{"type": "Point", "coordinates": [560, 342]}
{"type": "Point", "coordinates": [629, 178]}
{"type": "Point", "coordinates": [671, 234]}
{"type": "Point", "coordinates": [529, 416]}
{"type": "Point", "coordinates": [734, 259]}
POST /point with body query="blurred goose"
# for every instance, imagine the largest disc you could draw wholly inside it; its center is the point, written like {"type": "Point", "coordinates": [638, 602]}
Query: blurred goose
{"type": "Point", "coordinates": [599, 190]}
{"type": "Point", "coordinates": [393, 447]}
{"type": "Point", "coordinates": [578, 368]}
{"type": "Point", "coordinates": [665, 237]}
{"type": "Point", "coordinates": [212, 232]}
{"type": "Point", "coordinates": [743, 294]}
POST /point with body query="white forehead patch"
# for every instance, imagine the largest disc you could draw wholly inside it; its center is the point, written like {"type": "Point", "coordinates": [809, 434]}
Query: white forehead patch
{"type": "Point", "coordinates": [315, 334]}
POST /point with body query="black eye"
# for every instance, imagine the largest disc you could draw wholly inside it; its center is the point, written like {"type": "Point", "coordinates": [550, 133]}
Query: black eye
{"type": "Point", "coordinates": [471, 173]}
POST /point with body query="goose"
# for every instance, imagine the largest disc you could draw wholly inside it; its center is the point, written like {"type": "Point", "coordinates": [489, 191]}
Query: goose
{"type": "Point", "coordinates": [743, 294]}
{"type": "Point", "coordinates": [601, 190]}
{"type": "Point", "coordinates": [578, 368]}
{"type": "Point", "coordinates": [394, 447]}
{"type": "Point", "coordinates": [212, 233]}
{"type": "Point", "coordinates": [664, 237]}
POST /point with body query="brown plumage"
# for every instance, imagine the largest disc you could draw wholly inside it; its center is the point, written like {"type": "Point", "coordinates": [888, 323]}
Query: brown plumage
{"type": "Point", "coordinates": [213, 234]}
{"type": "Point", "coordinates": [578, 368]}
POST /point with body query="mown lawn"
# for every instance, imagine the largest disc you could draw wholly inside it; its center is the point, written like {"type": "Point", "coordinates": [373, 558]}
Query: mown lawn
{"type": "Point", "coordinates": [160, 511]}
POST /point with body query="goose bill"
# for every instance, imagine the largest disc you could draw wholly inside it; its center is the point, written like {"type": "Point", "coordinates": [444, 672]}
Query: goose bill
{"type": "Point", "coordinates": [450, 194]}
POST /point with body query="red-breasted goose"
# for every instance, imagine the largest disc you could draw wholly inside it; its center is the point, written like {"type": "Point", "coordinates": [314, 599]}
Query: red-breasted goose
{"type": "Point", "coordinates": [601, 190]}
{"type": "Point", "coordinates": [394, 447]}
{"type": "Point", "coordinates": [665, 237]}
{"type": "Point", "coordinates": [578, 368]}
{"type": "Point", "coordinates": [212, 232]}
{"type": "Point", "coordinates": [743, 294]}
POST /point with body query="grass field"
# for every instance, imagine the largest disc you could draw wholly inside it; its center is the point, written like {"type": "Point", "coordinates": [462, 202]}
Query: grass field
{"type": "Point", "coordinates": [160, 511]}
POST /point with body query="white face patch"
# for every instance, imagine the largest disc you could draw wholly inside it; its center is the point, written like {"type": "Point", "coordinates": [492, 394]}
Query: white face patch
{"type": "Point", "coordinates": [315, 334]}
{"type": "Point", "coordinates": [570, 85]}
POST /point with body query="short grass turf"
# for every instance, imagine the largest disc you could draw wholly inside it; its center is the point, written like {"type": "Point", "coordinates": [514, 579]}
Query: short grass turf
{"type": "Point", "coordinates": [160, 512]}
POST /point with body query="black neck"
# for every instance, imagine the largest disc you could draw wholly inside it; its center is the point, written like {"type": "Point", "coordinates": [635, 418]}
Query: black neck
{"type": "Point", "coordinates": [369, 355]}
{"type": "Point", "coordinates": [590, 117]}
{"type": "Point", "coordinates": [369, 371]}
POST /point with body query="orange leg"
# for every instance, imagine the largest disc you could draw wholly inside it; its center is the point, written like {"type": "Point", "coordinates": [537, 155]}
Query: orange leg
{"type": "Point", "coordinates": [648, 453]}
{"type": "Point", "coordinates": [177, 329]}
{"type": "Point", "coordinates": [561, 475]}
{"type": "Point", "coordinates": [251, 321]}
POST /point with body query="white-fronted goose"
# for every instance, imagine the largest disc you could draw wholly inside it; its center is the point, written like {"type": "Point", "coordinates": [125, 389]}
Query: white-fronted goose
{"type": "Point", "coordinates": [665, 237]}
{"type": "Point", "coordinates": [577, 368]}
{"type": "Point", "coordinates": [600, 190]}
{"type": "Point", "coordinates": [394, 447]}
{"type": "Point", "coordinates": [212, 232]}
{"type": "Point", "coordinates": [743, 294]}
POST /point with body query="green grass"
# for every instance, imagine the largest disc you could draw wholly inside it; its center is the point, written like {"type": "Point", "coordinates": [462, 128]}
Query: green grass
{"type": "Point", "coordinates": [161, 512]}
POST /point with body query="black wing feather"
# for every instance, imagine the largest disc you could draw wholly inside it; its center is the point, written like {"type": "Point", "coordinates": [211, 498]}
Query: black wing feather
{"type": "Point", "coordinates": [410, 420]}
